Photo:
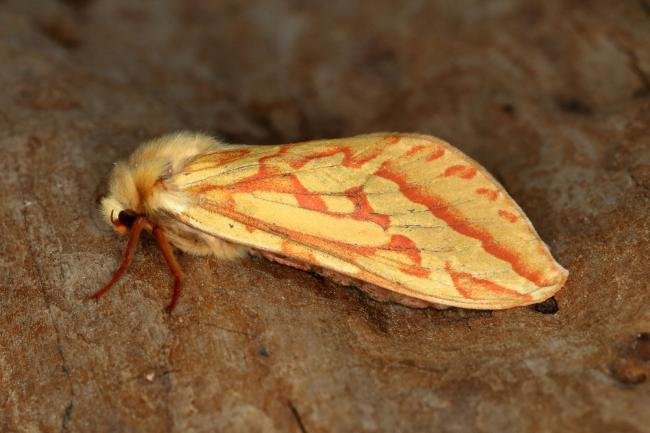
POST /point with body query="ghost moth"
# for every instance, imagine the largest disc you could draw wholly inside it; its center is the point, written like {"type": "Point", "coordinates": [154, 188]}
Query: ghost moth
{"type": "Point", "coordinates": [405, 217]}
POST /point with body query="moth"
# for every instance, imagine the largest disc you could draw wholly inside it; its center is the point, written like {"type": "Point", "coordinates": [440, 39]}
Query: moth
{"type": "Point", "coordinates": [405, 217]}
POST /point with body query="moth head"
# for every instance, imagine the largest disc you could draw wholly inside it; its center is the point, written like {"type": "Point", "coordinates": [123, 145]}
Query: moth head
{"type": "Point", "coordinates": [124, 221]}
{"type": "Point", "coordinates": [136, 184]}
{"type": "Point", "coordinates": [124, 202]}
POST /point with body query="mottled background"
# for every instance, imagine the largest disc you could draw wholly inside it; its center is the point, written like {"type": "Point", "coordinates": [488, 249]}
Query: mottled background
{"type": "Point", "coordinates": [552, 96]}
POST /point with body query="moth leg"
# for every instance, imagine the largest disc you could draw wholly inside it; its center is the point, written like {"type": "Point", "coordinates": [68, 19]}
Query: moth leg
{"type": "Point", "coordinates": [134, 236]}
{"type": "Point", "coordinates": [172, 264]}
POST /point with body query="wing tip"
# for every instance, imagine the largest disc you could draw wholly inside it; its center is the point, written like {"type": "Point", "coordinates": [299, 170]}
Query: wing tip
{"type": "Point", "coordinates": [543, 293]}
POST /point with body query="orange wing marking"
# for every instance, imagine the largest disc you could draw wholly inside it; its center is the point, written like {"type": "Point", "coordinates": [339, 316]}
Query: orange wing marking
{"type": "Point", "coordinates": [471, 287]}
{"type": "Point", "coordinates": [349, 158]}
{"type": "Point", "coordinates": [508, 215]}
{"type": "Point", "coordinates": [227, 156]}
{"type": "Point", "coordinates": [438, 152]}
{"type": "Point", "coordinates": [269, 179]}
{"type": "Point", "coordinates": [442, 210]}
{"type": "Point", "coordinates": [342, 250]}
{"type": "Point", "coordinates": [406, 245]}
{"type": "Point", "coordinates": [362, 209]}
{"type": "Point", "coordinates": [462, 171]}
{"type": "Point", "coordinates": [491, 194]}
{"type": "Point", "coordinates": [415, 149]}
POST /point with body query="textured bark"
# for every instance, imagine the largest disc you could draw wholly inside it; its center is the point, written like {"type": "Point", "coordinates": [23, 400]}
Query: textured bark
{"type": "Point", "coordinates": [553, 97]}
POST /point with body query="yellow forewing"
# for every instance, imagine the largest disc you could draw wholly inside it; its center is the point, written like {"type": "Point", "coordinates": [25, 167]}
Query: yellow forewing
{"type": "Point", "coordinates": [406, 212]}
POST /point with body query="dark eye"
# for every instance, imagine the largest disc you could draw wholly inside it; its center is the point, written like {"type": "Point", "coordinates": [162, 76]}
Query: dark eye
{"type": "Point", "coordinates": [127, 217]}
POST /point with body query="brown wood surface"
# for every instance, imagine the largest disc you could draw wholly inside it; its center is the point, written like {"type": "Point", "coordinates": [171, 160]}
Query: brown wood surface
{"type": "Point", "coordinates": [553, 97]}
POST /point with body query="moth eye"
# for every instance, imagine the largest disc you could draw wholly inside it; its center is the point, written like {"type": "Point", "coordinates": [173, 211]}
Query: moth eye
{"type": "Point", "coordinates": [127, 217]}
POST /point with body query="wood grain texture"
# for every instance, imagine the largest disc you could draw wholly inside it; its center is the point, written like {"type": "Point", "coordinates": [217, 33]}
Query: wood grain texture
{"type": "Point", "coordinates": [550, 96]}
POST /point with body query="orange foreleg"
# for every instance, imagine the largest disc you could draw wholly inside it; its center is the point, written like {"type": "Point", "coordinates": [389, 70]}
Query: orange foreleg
{"type": "Point", "coordinates": [172, 264]}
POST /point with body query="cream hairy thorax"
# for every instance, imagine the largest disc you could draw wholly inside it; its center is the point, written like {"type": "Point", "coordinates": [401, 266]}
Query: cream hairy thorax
{"type": "Point", "coordinates": [142, 196]}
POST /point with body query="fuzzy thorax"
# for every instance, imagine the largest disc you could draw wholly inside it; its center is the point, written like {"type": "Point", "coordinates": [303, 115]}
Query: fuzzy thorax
{"type": "Point", "coordinates": [137, 183]}
{"type": "Point", "coordinates": [143, 185]}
